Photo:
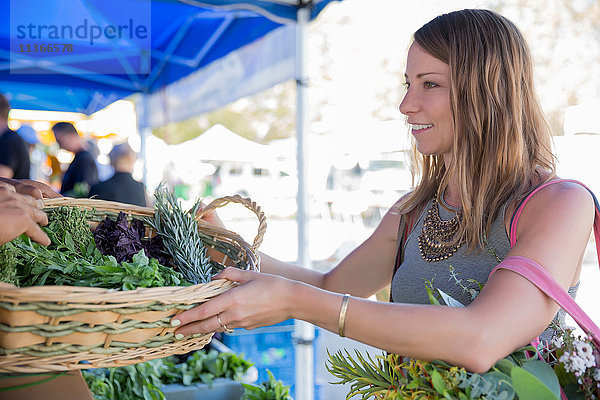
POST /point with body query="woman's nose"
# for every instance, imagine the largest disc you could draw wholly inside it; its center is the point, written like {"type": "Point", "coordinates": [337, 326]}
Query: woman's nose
{"type": "Point", "coordinates": [409, 104]}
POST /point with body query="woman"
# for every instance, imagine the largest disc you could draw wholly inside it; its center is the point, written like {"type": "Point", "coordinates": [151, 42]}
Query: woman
{"type": "Point", "coordinates": [483, 147]}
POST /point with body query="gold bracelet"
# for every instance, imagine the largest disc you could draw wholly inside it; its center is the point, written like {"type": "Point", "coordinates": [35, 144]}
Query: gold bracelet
{"type": "Point", "coordinates": [343, 309]}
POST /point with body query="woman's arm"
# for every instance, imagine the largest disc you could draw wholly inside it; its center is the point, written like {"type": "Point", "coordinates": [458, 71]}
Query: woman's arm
{"type": "Point", "coordinates": [509, 312]}
{"type": "Point", "coordinates": [362, 273]}
{"type": "Point", "coordinates": [365, 271]}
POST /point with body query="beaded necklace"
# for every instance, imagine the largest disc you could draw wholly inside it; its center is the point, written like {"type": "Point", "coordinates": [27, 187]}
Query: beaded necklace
{"type": "Point", "coordinates": [435, 240]}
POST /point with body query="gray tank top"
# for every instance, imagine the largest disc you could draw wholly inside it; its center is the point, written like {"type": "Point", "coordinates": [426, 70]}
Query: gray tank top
{"type": "Point", "coordinates": [452, 274]}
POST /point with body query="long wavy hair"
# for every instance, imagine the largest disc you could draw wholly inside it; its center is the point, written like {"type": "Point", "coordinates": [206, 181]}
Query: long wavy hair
{"type": "Point", "coordinates": [501, 137]}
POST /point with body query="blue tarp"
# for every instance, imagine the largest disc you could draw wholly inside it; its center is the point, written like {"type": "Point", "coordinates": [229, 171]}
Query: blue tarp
{"type": "Point", "coordinates": [185, 37]}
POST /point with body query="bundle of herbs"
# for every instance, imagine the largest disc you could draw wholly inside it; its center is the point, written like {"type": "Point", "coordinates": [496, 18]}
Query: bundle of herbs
{"type": "Point", "coordinates": [123, 239]}
{"type": "Point", "coordinates": [73, 259]}
{"type": "Point", "coordinates": [117, 254]}
{"type": "Point", "coordinates": [181, 238]}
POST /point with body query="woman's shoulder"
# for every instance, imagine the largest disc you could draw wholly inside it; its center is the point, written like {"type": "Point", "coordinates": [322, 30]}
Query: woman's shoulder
{"type": "Point", "coordinates": [558, 203]}
{"type": "Point", "coordinates": [562, 193]}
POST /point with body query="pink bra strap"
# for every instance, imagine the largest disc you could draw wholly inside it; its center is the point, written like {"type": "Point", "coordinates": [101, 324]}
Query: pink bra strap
{"type": "Point", "coordinates": [537, 275]}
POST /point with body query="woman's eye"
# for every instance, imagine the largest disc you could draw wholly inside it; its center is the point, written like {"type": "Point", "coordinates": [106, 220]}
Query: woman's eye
{"type": "Point", "coordinates": [430, 85]}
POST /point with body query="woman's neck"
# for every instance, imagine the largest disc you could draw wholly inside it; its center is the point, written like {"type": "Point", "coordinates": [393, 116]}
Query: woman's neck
{"type": "Point", "coordinates": [451, 195]}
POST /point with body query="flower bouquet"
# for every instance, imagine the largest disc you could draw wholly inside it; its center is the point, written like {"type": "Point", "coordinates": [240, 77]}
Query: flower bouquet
{"type": "Point", "coordinates": [576, 363]}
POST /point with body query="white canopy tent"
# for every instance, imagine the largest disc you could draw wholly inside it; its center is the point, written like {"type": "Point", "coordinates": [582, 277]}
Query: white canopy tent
{"type": "Point", "coordinates": [220, 144]}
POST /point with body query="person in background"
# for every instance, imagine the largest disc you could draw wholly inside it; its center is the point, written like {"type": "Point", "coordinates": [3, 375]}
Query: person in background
{"type": "Point", "coordinates": [14, 156]}
{"type": "Point", "coordinates": [36, 155]}
{"type": "Point", "coordinates": [29, 135]}
{"type": "Point", "coordinates": [121, 187]}
{"type": "Point", "coordinates": [82, 172]}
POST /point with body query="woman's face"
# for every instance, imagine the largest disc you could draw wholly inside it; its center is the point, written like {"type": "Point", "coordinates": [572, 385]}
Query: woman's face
{"type": "Point", "coordinates": [427, 102]}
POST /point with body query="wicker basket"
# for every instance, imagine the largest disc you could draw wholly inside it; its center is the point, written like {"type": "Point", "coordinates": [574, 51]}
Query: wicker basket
{"type": "Point", "coordinates": [58, 328]}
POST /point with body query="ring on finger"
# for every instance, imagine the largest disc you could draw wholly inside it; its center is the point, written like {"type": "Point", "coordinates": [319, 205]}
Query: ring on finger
{"type": "Point", "coordinates": [225, 328]}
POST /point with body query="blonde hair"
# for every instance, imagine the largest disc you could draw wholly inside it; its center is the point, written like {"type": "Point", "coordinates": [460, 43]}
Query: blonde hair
{"type": "Point", "coordinates": [501, 136]}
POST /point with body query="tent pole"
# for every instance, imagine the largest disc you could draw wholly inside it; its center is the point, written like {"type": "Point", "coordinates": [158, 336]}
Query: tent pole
{"type": "Point", "coordinates": [304, 333]}
{"type": "Point", "coordinates": [145, 130]}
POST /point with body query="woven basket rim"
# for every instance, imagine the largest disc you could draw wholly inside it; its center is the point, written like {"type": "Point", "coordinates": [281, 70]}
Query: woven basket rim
{"type": "Point", "coordinates": [86, 295]}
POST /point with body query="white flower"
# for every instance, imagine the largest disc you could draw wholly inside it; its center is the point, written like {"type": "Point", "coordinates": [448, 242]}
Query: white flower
{"type": "Point", "coordinates": [578, 365]}
{"type": "Point", "coordinates": [585, 352]}
{"type": "Point", "coordinates": [596, 375]}
{"type": "Point", "coordinates": [558, 341]}
{"type": "Point", "coordinates": [565, 357]}
{"type": "Point", "coordinates": [574, 363]}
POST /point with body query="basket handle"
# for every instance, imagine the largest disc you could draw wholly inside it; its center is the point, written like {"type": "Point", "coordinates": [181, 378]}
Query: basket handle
{"type": "Point", "coordinates": [246, 202]}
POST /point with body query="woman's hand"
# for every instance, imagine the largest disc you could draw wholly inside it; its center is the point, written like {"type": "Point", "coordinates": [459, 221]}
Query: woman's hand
{"type": "Point", "coordinates": [259, 300]}
{"type": "Point", "coordinates": [20, 214]}
{"type": "Point", "coordinates": [211, 217]}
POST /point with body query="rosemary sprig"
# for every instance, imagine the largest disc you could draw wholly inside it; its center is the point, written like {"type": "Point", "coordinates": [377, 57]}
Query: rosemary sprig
{"type": "Point", "coordinates": [181, 239]}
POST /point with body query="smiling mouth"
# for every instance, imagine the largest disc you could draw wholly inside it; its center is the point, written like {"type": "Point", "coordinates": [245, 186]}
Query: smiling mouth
{"type": "Point", "coordinates": [418, 128]}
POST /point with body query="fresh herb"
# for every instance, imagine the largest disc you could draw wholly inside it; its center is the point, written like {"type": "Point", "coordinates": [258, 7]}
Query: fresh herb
{"type": "Point", "coordinates": [181, 238]}
{"type": "Point", "coordinates": [145, 380]}
{"type": "Point", "coordinates": [139, 381]}
{"type": "Point", "coordinates": [123, 239]}
{"type": "Point", "coordinates": [73, 259]}
{"type": "Point", "coordinates": [8, 264]}
{"type": "Point", "coordinates": [269, 390]}
{"type": "Point", "coordinates": [69, 221]}
{"type": "Point", "coordinates": [39, 265]}
{"type": "Point", "coordinates": [204, 367]}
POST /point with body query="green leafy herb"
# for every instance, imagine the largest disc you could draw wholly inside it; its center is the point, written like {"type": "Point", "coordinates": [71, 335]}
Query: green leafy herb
{"type": "Point", "coordinates": [269, 390]}
{"type": "Point", "coordinates": [204, 367]}
{"type": "Point", "coordinates": [68, 225]}
{"type": "Point", "coordinates": [8, 264]}
{"type": "Point", "coordinates": [181, 238]}
{"type": "Point", "coordinates": [39, 265]}
{"type": "Point", "coordinates": [73, 259]}
{"type": "Point", "coordinates": [144, 381]}
{"type": "Point", "coordinates": [139, 381]}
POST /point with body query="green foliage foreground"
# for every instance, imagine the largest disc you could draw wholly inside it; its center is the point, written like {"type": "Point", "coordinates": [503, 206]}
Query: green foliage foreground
{"type": "Point", "coordinates": [517, 376]}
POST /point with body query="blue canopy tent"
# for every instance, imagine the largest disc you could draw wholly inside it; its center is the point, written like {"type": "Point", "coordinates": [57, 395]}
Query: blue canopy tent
{"type": "Point", "coordinates": [182, 38]}
{"type": "Point", "coordinates": [175, 59]}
